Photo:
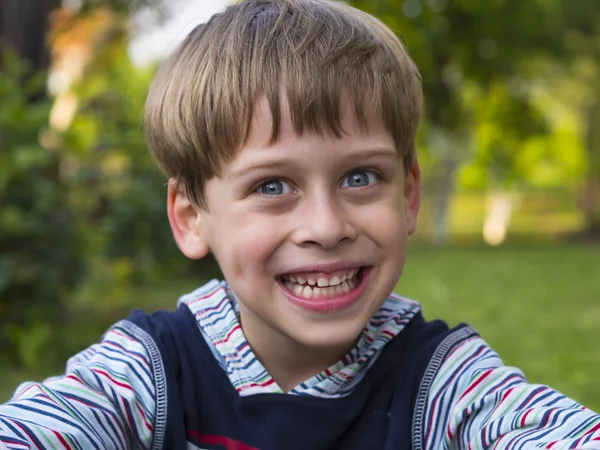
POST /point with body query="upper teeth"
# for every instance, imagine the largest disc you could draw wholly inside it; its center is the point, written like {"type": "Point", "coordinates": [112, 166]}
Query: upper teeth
{"type": "Point", "coordinates": [322, 281]}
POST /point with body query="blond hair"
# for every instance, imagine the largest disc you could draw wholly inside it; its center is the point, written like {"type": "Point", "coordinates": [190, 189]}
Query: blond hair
{"type": "Point", "coordinates": [313, 52]}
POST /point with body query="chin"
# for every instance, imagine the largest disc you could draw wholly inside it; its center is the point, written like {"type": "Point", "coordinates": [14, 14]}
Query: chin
{"type": "Point", "coordinates": [325, 336]}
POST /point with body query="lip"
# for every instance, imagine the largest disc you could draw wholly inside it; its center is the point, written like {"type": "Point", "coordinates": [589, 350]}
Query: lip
{"type": "Point", "coordinates": [330, 304]}
{"type": "Point", "coordinates": [325, 268]}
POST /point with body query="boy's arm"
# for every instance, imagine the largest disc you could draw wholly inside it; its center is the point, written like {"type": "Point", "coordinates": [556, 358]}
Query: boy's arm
{"type": "Point", "coordinates": [111, 397]}
{"type": "Point", "coordinates": [475, 402]}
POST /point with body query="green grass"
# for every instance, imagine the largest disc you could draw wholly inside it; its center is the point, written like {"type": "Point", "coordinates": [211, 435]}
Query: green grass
{"type": "Point", "coordinates": [10, 378]}
{"type": "Point", "coordinates": [537, 305]}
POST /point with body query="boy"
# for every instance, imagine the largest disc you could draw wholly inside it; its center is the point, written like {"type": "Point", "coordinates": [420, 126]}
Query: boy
{"type": "Point", "coordinates": [287, 128]}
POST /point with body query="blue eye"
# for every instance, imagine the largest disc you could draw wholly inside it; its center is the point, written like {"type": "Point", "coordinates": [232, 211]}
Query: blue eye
{"type": "Point", "coordinates": [274, 188]}
{"type": "Point", "coordinates": [360, 179]}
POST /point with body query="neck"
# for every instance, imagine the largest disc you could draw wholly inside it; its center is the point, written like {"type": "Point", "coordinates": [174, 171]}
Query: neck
{"type": "Point", "coordinates": [288, 362]}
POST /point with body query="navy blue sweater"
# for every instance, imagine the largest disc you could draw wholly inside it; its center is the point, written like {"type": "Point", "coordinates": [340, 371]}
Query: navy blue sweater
{"type": "Point", "coordinates": [383, 412]}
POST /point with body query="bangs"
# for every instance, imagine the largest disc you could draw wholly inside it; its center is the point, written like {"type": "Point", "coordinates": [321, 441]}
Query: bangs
{"type": "Point", "coordinates": [308, 55]}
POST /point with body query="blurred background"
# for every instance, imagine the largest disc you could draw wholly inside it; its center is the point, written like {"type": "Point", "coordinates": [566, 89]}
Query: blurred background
{"type": "Point", "coordinates": [509, 236]}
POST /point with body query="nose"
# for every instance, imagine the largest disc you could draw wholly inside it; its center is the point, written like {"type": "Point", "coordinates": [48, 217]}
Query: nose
{"type": "Point", "coordinates": [323, 222]}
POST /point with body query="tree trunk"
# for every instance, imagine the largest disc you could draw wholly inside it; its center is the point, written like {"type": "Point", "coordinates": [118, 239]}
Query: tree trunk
{"type": "Point", "coordinates": [591, 190]}
{"type": "Point", "coordinates": [443, 195]}
{"type": "Point", "coordinates": [498, 215]}
{"type": "Point", "coordinates": [448, 145]}
{"type": "Point", "coordinates": [24, 27]}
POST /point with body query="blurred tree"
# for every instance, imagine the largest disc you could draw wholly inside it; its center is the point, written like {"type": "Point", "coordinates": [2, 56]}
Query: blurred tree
{"type": "Point", "coordinates": [464, 43]}
{"type": "Point", "coordinates": [40, 262]}
{"type": "Point", "coordinates": [124, 7]}
{"type": "Point", "coordinates": [582, 21]}
{"type": "Point", "coordinates": [523, 138]}
{"type": "Point", "coordinates": [24, 25]}
{"type": "Point", "coordinates": [38, 258]}
{"type": "Point", "coordinates": [113, 182]}
{"type": "Point", "coordinates": [58, 187]}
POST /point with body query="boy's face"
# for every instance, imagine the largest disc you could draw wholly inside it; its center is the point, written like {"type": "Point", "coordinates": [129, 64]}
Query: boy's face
{"type": "Point", "coordinates": [310, 233]}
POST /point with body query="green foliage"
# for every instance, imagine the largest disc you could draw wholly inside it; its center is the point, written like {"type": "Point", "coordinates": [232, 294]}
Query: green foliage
{"type": "Point", "coordinates": [522, 141]}
{"type": "Point", "coordinates": [461, 41]}
{"type": "Point", "coordinates": [82, 220]}
{"type": "Point", "coordinates": [124, 6]}
{"type": "Point", "coordinates": [39, 258]}
{"type": "Point", "coordinates": [491, 70]}
{"type": "Point", "coordinates": [106, 151]}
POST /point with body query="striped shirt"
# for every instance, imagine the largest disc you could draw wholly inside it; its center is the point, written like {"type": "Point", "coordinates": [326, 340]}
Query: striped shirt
{"type": "Point", "coordinates": [113, 394]}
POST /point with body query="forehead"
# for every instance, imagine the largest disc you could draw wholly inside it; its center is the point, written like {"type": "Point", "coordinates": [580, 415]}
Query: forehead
{"type": "Point", "coordinates": [260, 131]}
{"type": "Point", "coordinates": [309, 151]}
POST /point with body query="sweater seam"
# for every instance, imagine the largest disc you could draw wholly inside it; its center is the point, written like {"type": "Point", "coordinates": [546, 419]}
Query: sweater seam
{"type": "Point", "coordinates": [431, 372]}
{"type": "Point", "coordinates": [160, 384]}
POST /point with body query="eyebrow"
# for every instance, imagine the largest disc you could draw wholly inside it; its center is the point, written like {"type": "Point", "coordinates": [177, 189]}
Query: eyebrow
{"type": "Point", "coordinates": [281, 162]}
{"type": "Point", "coordinates": [372, 152]}
{"type": "Point", "coordinates": [259, 165]}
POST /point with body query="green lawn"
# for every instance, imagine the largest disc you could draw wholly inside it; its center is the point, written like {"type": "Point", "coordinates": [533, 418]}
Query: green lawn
{"type": "Point", "coordinates": [538, 306]}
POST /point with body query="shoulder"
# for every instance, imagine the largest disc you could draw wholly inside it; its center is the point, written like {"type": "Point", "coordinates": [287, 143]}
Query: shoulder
{"type": "Point", "coordinates": [165, 326]}
{"type": "Point", "coordinates": [127, 356]}
{"type": "Point", "coordinates": [468, 397]}
{"type": "Point", "coordinates": [459, 366]}
{"type": "Point", "coordinates": [422, 346]}
{"type": "Point", "coordinates": [111, 395]}
{"type": "Point", "coordinates": [429, 338]}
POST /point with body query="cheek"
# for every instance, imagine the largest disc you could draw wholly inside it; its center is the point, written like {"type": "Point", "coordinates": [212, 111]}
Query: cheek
{"type": "Point", "coordinates": [386, 220]}
{"type": "Point", "coordinates": [385, 225]}
{"type": "Point", "coordinates": [244, 246]}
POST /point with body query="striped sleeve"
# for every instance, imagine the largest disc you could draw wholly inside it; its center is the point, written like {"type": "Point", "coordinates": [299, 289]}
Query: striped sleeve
{"type": "Point", "coordinates": [475, 402]}
{"type": "Point", "coordinates": [111, 397]}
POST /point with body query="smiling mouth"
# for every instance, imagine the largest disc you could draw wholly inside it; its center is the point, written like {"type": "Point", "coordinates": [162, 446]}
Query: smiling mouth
{"type": "Point", "coordinates": [322, 286]}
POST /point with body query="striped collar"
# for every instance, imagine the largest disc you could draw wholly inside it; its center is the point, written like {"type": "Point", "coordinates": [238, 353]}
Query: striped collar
{"type": "Point", "coordinates": [216, 311]}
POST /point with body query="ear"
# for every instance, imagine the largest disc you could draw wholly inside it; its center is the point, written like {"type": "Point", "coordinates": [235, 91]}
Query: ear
{"type": "Point", "coordinates": [412, 197]}
{"type": "Point", "coordinates": [186, 223]}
